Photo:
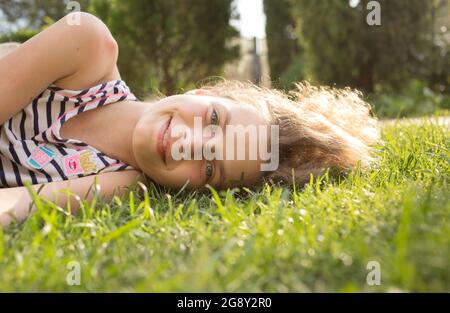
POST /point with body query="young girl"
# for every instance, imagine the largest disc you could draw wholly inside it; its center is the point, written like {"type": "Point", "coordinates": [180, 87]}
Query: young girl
{"type": "Point", "coordinates": [67, 118]}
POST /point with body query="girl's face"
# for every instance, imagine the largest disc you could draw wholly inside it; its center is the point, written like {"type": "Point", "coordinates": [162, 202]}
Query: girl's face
{"type": "Point", "coordinates": [171, 142]}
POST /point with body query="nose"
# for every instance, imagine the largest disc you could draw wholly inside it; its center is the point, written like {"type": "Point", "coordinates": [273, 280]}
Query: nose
{"type": "Point", "coordinates": [192, 143]}
{"type": "Point", "coordinates": [196, 140]}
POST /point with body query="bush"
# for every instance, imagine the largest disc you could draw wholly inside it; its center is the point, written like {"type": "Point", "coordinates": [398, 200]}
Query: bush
{"type": "Point", "coordinates": [416, 99]}
{"type": "Point", "coordinates": [169, 45]}
{"type": "Point", "coordinates": [341, 48]}
{"type": "Point", "coordinates": [294, 73]}
{"type": "Point", "coordinates": [21, 35]}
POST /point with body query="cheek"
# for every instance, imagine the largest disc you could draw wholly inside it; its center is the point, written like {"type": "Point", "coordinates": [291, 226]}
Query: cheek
{"type": "Point", "coordinates": [177, 177]}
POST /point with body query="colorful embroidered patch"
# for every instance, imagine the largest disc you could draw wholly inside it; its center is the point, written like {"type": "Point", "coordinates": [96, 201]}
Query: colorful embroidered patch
{"type": "Point", "coordinates": [72, 165]}
{"type": "Point", "coordinates": [87, 162]}
{"type": "Point", "coordinates": [41, 157]}
{"type": "Point", "coordinates": [79, 163]}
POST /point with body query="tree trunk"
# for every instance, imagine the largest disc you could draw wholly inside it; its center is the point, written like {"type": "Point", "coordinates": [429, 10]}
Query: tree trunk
{"type": "Point", "coordinates": [365, 80]}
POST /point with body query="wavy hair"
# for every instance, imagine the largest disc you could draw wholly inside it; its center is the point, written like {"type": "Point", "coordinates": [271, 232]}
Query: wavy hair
{"type": "Point", "coordinates": [319, 127]}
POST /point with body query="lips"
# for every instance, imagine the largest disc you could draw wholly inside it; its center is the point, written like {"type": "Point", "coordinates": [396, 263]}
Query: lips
{"type": "Point", "coordinates": [163, 140]}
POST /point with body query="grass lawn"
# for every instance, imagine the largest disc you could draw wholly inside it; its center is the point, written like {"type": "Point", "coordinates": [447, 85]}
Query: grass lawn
{"type": "Point", "coordinates": [319, 238]}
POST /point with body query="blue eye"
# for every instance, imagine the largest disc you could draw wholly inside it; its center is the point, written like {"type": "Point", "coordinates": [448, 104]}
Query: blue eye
{"type": "Point", "coordinates": [209, 170]}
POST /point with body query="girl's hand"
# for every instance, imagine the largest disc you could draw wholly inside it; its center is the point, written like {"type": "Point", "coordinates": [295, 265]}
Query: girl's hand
{"type": "Point", "coordinates": [13, 204]}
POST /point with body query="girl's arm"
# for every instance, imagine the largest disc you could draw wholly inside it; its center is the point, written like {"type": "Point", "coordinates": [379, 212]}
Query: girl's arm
{"type": "Point", "coordinates": [78, 56]}
{"type": "Point", "coordinates": [14, 202]}
{"type": "Point", "coordinates": [8, 47]}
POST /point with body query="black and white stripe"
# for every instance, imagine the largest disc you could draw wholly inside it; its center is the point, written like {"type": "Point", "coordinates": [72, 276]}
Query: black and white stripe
{"type": "Point", "coordinates": [21, 135]}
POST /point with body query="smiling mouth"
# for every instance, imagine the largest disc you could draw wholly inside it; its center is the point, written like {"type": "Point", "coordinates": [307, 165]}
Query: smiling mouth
{"type": "Point", "coordinates": [163, 140]}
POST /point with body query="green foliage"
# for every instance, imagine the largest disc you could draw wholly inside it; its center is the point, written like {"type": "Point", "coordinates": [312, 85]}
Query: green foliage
{"type": "Point", "coordinates": [165, 46]}
{"type": "Point", "coordinates": [21, 35]}
{"type": "Point", "coordinates": [342, 49]}
{"type": "Point", "coordinates": [282, 41]}
{"type": "Point", "coordinates": [276, 239]}
{"type": "Point", "coordinates": [34, 12]}
{"type": "Point", "coordinates": [403, 64]}
{"type": "Point", "coordinates": [415, 99]}
{"type": "Point", "coordinates": [437, 72]}
{"type": "Point", "coordinates": [175, 43]}
{"type": "Point", "coordinates": [295, 72]}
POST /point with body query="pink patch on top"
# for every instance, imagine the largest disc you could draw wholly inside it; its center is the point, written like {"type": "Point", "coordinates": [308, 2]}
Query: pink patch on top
{"type": "Point", "coordinates": [40, 157]}
{"type": "Point", "coordinates": [72, 164]}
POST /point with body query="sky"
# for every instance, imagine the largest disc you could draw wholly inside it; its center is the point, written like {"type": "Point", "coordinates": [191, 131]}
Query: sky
{"type": "Point", "coordinates": [253, 19]}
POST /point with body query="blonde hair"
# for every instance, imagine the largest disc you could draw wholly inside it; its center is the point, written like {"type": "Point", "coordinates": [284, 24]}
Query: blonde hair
{"type": "Point", "coordinates": [319, 127]}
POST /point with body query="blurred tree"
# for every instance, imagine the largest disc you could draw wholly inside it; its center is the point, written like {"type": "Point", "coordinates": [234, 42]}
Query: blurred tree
{"type": "Point", "coordinates": [282, 40]}
{"type": "Point", "coordinates": [173, 43]}
{"type": "Point", "coordinates": [164, 44]}
{"type": "Point", "coordinates": [437, 72]}
{"type": "Point", "coordinates": [21, 35]}
{"type": "Point", "coordinates": [341, 48]}
{"type": "Point", "coordinates": [32, 13]}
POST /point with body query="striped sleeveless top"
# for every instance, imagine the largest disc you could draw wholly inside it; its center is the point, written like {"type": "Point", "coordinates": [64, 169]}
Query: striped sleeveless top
{"type": "Point", "coordinates": [31, 148]}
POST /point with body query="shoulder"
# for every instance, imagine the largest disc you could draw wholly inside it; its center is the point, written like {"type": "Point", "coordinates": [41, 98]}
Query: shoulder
{"type": "Point", "coordinates": [87, 27]}
{"type": "Point", "coordinates": [94, 46]}
{"type": "Point", "coordinates": [8, 47]}
{"type": "Point", "coordinates": [76, 52]}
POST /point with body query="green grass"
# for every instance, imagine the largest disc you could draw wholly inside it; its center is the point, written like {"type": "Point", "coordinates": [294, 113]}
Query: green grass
{"type": "Point", "coordinates": [319, 238]}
